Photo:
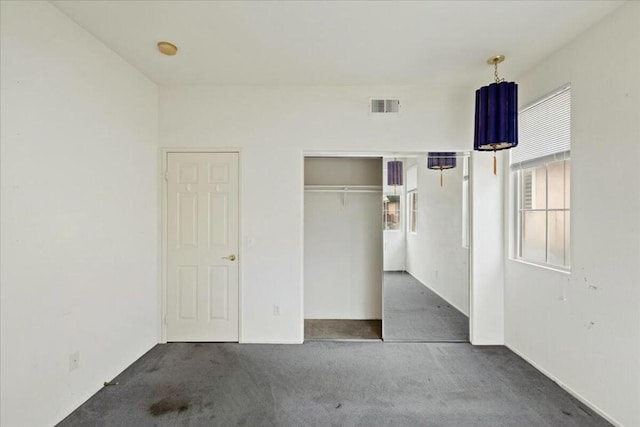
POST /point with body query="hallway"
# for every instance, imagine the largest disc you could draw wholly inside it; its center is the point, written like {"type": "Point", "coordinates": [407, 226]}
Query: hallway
{"type": "Point", "coordinates": [412, 312]}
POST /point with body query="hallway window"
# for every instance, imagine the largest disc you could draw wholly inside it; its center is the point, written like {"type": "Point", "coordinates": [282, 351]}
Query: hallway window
{"type": "Point", "coordinates": [465, 202]}
{"type": "Point", "coordinates": [412, 198]}
{"type": "Point", "coordinates": [391, 212]}
{"type": "Point", "coordinates": [541, 172]}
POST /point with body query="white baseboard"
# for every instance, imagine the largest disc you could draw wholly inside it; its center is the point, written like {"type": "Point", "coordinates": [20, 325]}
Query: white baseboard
{"type": "Point", "coordinates": [437, 293]}
{"type": "Point", "coordinates": [88, 393]}
{"type": "Point", "coordinates": [566, 388]}
{"type": "Point", "coordinates": [271, 341]}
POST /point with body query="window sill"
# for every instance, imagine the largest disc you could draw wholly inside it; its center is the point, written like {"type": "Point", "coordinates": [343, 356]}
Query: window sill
{"type": "Point", "coordinates": [544, 266]}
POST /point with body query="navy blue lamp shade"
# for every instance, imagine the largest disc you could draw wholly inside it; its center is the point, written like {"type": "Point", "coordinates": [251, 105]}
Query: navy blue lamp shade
{"type": "Point", "coordinates": [445, 160]}
{"type": "Point", "coordinates": [496, 117]}
{"type": "Point", "coordinates": [441, 161]}
{"type": "Point", "coordinates": [394, 172]}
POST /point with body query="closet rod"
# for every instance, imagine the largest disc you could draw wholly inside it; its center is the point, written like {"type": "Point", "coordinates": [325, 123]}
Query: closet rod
{"type": "Point", "coordinates": [343, 191]}
{"type": "Point", "coordinates": [343, 188]}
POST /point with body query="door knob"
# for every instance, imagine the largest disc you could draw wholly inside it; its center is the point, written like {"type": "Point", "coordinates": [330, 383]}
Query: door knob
{"type": "Point", "coordinates": [231, 257]}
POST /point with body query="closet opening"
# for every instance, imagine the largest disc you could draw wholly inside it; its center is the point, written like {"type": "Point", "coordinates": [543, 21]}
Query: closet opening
{"type": "Point", "coordinates": [386, 262]}
{"type": "Point", "coordinates": [342, 248]}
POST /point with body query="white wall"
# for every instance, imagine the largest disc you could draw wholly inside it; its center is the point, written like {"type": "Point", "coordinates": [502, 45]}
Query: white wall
{"type": "Point", "coordinates": [274, 127]}
{"type": "Point", "coordinates": [342, 240]}
{"type": "Point", "coordinates": [343, 256]}
{"type": "Point", "coordinates": [583, 328]}
{"type": "Point", "coordinates": [79, 200]}
{"type": "Point", "coordinates": [435, 255]}
{"type": "Point", "coordinates": [487, 250]}
{"type": "Point", "coordinates": [78, 215]}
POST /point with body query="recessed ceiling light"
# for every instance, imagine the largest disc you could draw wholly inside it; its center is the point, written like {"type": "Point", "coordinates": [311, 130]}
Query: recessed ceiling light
{"type": "Point", "coordinates": [167, 48]}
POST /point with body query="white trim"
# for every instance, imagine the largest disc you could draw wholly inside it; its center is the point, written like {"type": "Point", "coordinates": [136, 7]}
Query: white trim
{"type": "Point", "coordinates": [565, 387]}
{"type": "Point", "coordinates": [164, 152]}
{"type": "Point", "coordinates": [272, 341]}
{"type": "Point", "coordinates": [302, 196]}
{"type": "Point", "coordinates": [384, 154]}
{"type": "Point", "coordinates": [163, 225]}
{"type": "Point", "coordinates": [437, 293]}
{"type": "Point", "coordinates": [550, 267]}
{"type": "Point", "coordinates": [539, 161]}
{"type": "Point", "coordinates": [200, 150]}
{"type": "Point", "coordinates": [161, 200]}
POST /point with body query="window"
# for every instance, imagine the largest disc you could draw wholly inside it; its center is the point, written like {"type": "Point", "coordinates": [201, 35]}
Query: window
{"type": "Point", "coordinates": [465, 202]}
{"type": "Point", "coordinates": [541, 169]}
{"type": "Point", "coordinates": [391, 212]}
{"type": "Point", "coordinates": [544, 213]}
{"type": "Point", "coordinates": [412, 198]}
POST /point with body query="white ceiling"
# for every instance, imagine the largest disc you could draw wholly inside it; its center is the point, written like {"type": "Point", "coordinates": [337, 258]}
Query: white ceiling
{"type": "Point", "coordinates": [334, 42]}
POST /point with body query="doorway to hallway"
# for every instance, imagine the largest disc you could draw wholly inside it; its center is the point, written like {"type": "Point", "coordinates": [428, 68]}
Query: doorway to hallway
{"type": "Point", "coordinates": [426, 250]}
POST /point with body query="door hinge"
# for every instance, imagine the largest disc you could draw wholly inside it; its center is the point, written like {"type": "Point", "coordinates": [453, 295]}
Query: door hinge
{"type": "Point", "coordinates": [165, 319]}
{"type": "Point", "coordinates": [166, 175]}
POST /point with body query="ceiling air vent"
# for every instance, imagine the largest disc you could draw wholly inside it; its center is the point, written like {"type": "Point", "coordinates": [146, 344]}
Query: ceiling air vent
{"type": "Point", "coordinates": [385, 105]}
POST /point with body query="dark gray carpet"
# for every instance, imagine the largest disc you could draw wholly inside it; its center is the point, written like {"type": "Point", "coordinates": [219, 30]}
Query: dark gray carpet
{"type": "Point", "coordinates": [324, 383]}
{"type": "Point", "coordinates": [412, 312]}
{"type": "Point", "coordinates": [343, 329]}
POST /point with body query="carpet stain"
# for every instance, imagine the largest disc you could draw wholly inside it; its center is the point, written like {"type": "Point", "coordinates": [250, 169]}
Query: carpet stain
{"type": "Point", "coordinates": [167, 405]}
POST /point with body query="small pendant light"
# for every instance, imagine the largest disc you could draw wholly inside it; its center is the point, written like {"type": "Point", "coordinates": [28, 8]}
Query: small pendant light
{"type": "Point", "coordinates": [441, 161]}
{"type": "Point", "coordinates": [496, 114]}
{"type": "Point", "coordinates": [394, 174]}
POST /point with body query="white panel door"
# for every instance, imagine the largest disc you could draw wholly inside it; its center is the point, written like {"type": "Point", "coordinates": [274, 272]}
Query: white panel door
{"type": "Point", "coordinates": [202, 247]}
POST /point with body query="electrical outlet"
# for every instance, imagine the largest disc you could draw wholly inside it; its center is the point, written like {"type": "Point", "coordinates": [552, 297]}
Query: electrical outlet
{"type": "Point", "coordinates": [276, 310]}
{"type": "Point", "coordinates": [74, 361]}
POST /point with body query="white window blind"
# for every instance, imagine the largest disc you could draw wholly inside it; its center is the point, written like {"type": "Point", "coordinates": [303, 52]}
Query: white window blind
{"type": "Point", "coordinates": [544, 130]}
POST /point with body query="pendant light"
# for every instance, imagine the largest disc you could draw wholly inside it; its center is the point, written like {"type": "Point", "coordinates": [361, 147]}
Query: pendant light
{"type": "Point", "coordinates": [441, 161]}
{"type": "Point", "coordinates": [394, 174]}
{"type": "Point", "coordinates": [496, 126]}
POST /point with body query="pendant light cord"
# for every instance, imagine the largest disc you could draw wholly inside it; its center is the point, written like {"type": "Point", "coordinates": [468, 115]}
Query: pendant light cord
{"type": "Point", "coordinates": [495, 72]}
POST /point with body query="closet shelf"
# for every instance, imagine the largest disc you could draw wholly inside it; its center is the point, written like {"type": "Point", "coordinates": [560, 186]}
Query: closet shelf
{"type": "Point", "coordinates": [343, 188]}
